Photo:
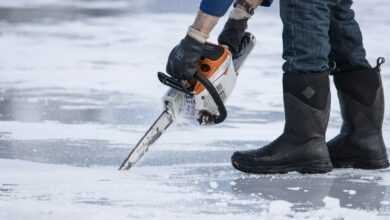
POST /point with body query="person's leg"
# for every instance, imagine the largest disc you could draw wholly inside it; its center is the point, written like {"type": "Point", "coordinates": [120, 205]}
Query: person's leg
{"type": "Point", "coordinates": [360, 143]}
{"type": "Point", "coordinates": [346, 38]}
{"type": "Point", "coordinates": [306, 44]}
{"type": "Point", "coordinates": [302, 145]}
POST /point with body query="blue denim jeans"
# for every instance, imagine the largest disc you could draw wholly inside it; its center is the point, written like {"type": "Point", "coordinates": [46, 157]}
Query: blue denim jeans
{"type": "Point", "coordinates": [317, 33]}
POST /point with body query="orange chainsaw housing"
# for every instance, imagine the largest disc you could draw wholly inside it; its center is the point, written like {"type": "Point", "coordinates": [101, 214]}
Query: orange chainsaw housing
{"type": "Point", "coordinates": [214, 57]}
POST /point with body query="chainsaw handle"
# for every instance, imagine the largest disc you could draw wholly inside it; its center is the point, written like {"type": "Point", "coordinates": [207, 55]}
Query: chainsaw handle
{"type": "Point", "coordinates": [216, 97]}
{"type": "Point", "coordinates": [173, 83]}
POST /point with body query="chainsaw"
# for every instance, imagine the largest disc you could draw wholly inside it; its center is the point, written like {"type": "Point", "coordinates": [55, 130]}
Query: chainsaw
{"type": "Point", "coordinates": [201, 99]}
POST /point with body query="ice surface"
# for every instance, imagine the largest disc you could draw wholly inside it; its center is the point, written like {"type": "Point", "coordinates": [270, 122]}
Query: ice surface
{"type": "Point", "coordinates": [78, 88]}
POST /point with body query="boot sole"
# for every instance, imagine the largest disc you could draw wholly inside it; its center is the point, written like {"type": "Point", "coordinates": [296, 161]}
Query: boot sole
{"type": "Point", "coordinates": [317, 167]}
{"type": "Point", "coordinates": [361, 164]}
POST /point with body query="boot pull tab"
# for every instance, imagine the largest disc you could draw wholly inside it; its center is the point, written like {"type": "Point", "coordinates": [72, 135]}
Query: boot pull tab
{"type": "Point", "coordinates": [379, 62]}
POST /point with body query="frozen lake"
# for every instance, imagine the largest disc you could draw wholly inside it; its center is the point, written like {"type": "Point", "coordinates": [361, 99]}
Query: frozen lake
{"type": "Point", "coordinates": [78, 88]}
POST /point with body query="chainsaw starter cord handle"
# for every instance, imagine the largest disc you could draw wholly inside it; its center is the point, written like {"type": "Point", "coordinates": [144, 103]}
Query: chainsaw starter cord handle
{"type": "Point", "coordinates": [214, 94]}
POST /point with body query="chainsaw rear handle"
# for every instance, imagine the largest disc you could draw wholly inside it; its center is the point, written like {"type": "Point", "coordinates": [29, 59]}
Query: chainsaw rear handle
{"type": "Point", "coordinates": [178, 85]}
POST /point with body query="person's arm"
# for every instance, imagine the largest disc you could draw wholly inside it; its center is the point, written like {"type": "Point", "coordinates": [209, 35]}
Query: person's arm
{"type": "Point", "coordinates": [202, 26]}
{"type": "Point", "coordinates": [183, 59]}
{"type": "Point", "coordinates": [211, 10]}
{"type": "Point", "coordinates": [208, 15]}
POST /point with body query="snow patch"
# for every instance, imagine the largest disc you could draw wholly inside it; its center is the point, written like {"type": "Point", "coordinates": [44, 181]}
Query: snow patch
{"type": "Point", "coordinates": [350, 192]}
{"type": "Point", "coordinates": [294, 188]}
{"type": "Point", "coordinates": [213, 185]}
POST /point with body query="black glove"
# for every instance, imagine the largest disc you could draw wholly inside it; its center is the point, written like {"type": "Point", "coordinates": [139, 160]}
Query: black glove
{"type": "Point", "coordinates": [184, 58]}
{"type": "Point", "coordinates": [232, 34]}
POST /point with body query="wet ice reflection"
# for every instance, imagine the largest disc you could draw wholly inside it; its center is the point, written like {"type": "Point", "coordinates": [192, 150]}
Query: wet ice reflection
{"type": "Point", "coordinates": [66, 106]}
{"type": "Point", "coordinates": [350, 189]}
{"type": "Point", "coordinates": [306, 193]}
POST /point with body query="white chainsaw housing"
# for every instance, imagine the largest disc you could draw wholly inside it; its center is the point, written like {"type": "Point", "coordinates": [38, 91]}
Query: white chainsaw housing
{"type": "Point", "coordinates": [200, 104]}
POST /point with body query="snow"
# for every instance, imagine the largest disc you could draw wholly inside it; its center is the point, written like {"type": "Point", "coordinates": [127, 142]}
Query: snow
{"type": "Point", "coordinates": [78, 88]}
{"type": "Point", "coordinates": [214, 185]}
{"type": "Point", "coordinates": [294, 188]}
{"type": "Point", "coordinates": [385, 202]}
{"type": "Point", "coordinates": [350, 192]}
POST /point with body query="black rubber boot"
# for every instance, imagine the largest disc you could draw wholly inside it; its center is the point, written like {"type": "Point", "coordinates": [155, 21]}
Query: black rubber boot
{"type": "Point", "coordinates": [360, 143]}
{"type": "Point", "coordinates": [302, 146]}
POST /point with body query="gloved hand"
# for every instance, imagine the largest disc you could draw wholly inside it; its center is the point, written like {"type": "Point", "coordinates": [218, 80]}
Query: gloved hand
{"type": "Point", "coordinates": [184, 58]}
{"type": "Point", "coordinates": [232, 34]}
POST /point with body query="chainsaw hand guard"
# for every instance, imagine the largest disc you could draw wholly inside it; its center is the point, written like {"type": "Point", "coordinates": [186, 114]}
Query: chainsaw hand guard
{"type": "Point", "coordinates": [173, 83]}
{"type": "Point", "coordinates": [216, 98]}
